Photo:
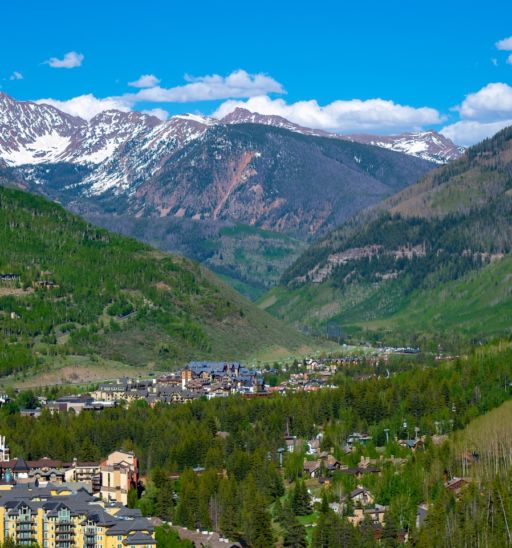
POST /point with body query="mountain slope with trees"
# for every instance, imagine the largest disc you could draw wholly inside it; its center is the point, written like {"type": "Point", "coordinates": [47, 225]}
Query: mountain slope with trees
{"type": "Point", "coordinates": [431, 261]}
{"type": "Point", "coordinates": [67, 288]}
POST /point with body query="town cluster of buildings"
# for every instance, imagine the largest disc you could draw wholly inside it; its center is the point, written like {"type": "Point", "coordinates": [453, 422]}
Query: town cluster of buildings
{"type": "Point", "coordinates": [200, 379]}
{"type": "Point", "coordinates": [196, 380]}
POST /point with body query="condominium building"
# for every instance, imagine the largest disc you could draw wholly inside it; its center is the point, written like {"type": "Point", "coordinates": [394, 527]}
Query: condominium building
{"type": "Point", "coordinates": [59, 518]}
{"type": "Point", "coordinates": [119, 474]}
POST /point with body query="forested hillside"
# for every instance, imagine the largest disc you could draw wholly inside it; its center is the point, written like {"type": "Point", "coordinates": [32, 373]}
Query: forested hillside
{"type": "Point", "coordinates": [241, 491]}
{"type": "Point", "coordinates": [428, 244]}
{"type": "Point", "coordinates": [248, 258]}
{"type": "Point", "coordinates": [67, 287]}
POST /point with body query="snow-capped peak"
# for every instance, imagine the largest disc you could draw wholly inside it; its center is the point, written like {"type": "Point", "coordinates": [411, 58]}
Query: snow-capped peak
{"type": "Point", "coordinates": [428, 145]}
{"type": "Point", "coordinates": [244, 116]}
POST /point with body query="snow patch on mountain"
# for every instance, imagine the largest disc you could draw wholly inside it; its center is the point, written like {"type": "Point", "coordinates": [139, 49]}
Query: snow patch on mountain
{"type": "Point", "coordinates": [43, 149]}
{"type": "Point", "coordinates": [428, 145]}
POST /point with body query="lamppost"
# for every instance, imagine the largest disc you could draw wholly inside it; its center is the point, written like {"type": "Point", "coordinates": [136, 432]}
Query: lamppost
{"type": "Point", "coordinates": [281, 450]}
{"type": "Point", "coordinates": [404, 425]}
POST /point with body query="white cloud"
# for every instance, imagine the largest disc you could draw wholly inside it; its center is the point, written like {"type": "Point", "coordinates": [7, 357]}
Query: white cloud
{"type": "Point", "coordinates": [16, 76]}
{"type": "Point", "coordinates": [505, 44]}
{"type": "Point", "coordinates": [483, 113]}
{"type": "Point", "coordinates": [469, 132]}
{"type": "Point", "coordinates": [238, 84]}
{"type": "Point", "coordinates": [87, 106]}
{"type": "Point", "coordinates": [145, 81]}
{"type": "Point", "coordinates": [72, 59]}
{"type": "Point", "coordinates": [158, 112]}
{"type": "Point", "coordinates": [341, 116]}
{"type": "Point", "coordinates": [491, 103]}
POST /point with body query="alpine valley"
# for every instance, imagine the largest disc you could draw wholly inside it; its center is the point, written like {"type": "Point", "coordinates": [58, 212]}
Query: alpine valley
{"type": "Point", "coordinates": [431, 264]}
{"type": "Point", "coordinates": [243, 195]}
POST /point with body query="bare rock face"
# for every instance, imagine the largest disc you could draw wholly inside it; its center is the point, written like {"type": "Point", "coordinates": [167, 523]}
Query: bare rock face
{"type": "Point", "coordinates": [272, 178]}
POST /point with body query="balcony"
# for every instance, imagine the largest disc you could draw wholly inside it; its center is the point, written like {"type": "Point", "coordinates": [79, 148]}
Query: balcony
{"type": "Point", "coordinates": [25, 527]}
{"type": "Point", "coordinates": [64, 534]}
{"type": "Point", "coordinates": [64, 527]}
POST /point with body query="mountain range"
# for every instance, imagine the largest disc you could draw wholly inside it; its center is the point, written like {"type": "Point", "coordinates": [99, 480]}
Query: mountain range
{"type": "Point", "coordinates": [430, 263]}
{"type": "Point", "coordinates": [185, 183]}
{"type": "Point", "coordinates": [33, 133]}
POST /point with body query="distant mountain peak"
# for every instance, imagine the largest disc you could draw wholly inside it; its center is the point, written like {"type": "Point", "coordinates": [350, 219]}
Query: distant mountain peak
{"type": "Point", "coordinates": [428, 145]}
{"type": "Point", "coordinates": [244, 116]}
{"type": "Point", "coordinates": [34, 133]}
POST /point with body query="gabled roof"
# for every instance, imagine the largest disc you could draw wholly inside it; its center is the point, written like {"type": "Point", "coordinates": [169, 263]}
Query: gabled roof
{"type": "Point", "coordinates": [139, 538]}
{"type": "Point", "coordinates": [21, 466]}
{"type": "Point", "coordinates": [125, 512]}
{"type": "Point", "coordinates": [125, 526]}
{"type": "Point", "coordinates": [44, 462]}
{"type": "Point", "coordinates": [359, 491]}
{"type": "Point", "coordinates": [311, 465]}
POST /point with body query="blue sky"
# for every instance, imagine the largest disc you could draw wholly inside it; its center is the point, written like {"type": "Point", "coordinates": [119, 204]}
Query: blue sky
{"type": "Point", "coordinates": [354, 66]}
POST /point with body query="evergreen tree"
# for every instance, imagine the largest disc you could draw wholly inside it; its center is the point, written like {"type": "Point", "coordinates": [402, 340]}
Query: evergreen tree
{"type": "Point", "coordinates": [165, 500]}
{"type": "Point", "coordinates": [229, 502]}
{"type": "Point", "coordinates": [147, 503]}
{"type": "Point", "coordinates": [132, 498]}
{"type": "Point", "coordinates": [294, 533]}
{"type": "Point", "coordinates": [187, 510]}
{"type": "Point", "coordinates": [301, 501]}
{"type": "Point", "coordinates": [390, 532]}
{"type": "Point", "coordinates": [324, 507]}
{"type": "Point", "coordinates": [328, 531]}
{"type": "Point", "coordinates": [278, 511]}
{"type": "Point", "coordinates": [256, 520]}
{"type": "Point", "coordinates": [366, 532]}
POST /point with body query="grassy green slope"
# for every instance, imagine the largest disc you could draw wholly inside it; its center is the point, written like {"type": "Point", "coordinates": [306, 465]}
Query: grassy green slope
{"type": "Point", "coordinates": [479, 304]}
{"type": "Point", "coordinates": [250, 259]}
{"type": "Point", "coordinates": [113, 297]}
{"type": "Point", "coordinates": [476, 306]}
{"type": "Point", "coordinates": [454, 286]}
